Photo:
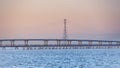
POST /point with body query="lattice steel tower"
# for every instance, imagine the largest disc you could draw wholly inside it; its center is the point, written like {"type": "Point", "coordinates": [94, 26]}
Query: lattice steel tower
{"type": "Point", "coordinates": [65, 36]}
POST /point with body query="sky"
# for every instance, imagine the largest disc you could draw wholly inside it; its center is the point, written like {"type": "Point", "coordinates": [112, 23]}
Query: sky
{"type": "Point", "coordinates": [86, 19]}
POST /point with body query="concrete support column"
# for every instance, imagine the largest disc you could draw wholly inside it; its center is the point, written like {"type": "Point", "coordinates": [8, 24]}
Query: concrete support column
{"type": "Point", "coordinates": [100, 43]}
{"type": "Point", "coordinates": [90, 42]}
{"type": "Point", "coordinates": [58, 42]}
{"type": "Point", "coordinates": [45, 42]}
{"type": "Point", "coordinates": [26, 42]}
{"type": "Point", "coordinates": [69, 42]}
{"type": "Point", "coordinates": [12, 43]}
{"type": "Point", "coordinates": [79, 42]}
{"type": "Point", "coordinates": [0, 43]}
{"type": "Point", "coordinates": [118, 43]}
{"type": "Point", "coordinates": [110, 43]}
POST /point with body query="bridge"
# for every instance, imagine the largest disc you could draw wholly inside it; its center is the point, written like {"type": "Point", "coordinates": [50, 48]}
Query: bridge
{"type": "Point", "coordinates": [30, 44]}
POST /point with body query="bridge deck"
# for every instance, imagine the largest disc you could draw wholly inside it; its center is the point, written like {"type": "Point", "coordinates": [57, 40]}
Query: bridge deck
{"type": "Point", "coordinates": [59, 43]}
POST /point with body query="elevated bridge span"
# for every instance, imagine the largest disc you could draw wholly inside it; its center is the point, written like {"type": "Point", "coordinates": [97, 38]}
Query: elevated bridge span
{"type": "Point", "coordinates": [58, 43]}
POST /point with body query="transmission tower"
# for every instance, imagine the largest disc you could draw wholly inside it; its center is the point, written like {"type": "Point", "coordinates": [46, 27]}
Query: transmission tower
{"type": "Point", "coordinates": [65, 36]}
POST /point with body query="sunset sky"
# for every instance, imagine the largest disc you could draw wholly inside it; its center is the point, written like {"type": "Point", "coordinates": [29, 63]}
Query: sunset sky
{"type": "Point", "coordinates": [87, 19]}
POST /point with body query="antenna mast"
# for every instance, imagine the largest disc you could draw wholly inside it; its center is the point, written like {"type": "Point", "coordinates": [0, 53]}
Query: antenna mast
{"type": "Point", "coordinates": [65, 36]}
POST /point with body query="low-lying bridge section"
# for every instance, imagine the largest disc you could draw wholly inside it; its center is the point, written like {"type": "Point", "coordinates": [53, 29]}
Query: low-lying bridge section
{"type": "Point", "coordinates": [57, 44]}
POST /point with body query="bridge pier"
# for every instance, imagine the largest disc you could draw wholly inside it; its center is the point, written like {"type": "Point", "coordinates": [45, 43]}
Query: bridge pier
{"type": "Point", "coordinates": [90, 42]}
{"type": "Point", "coordinates": [26, 42]}
{"type": "Point", "coordinates": [12, 43]}
{"type": "Point", "coordinates": [100, 43]}
{"type": "Point", "coordinates": [45, 42]}
{"type": "Point", "coordinates": [58, 42]}
{"type": "Point", "coordinates": [0, 43]}
{"type": "Point", "coordinates": [16, 48]}
{"type": "Point", "coordinates": [3, 48]}
{"type": "Point", "coordinates": [110, 43]}
{"type": "Point", "coordinates": [118, 43]}
{"type": "Point", "coordinates": [79, 42]}
{"type": "Point", "coordinates": [69, 42]}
